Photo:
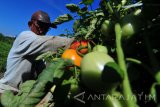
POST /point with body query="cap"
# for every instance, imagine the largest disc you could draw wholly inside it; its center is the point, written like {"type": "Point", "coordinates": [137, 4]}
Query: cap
{"type": "Point", "coordinates": [42, 17]}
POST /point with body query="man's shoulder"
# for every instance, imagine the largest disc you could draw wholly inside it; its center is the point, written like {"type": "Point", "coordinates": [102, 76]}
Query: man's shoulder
{"type": "Point", "coordinates": [26, 33]}
{"type": "Point", "coordinates": [25, 36]}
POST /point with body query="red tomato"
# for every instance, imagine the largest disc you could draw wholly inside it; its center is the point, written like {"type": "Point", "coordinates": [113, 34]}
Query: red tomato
{"type": "Point", "coordinates": [72, 54]}
{"type": "Point", "coordinates": [77, 44]}
{"type": "Point", "coordinates": [85, 50]}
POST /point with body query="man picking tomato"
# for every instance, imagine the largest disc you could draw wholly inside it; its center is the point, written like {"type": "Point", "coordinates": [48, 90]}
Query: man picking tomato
{"type": "Point", "coordinates": [21, 63]}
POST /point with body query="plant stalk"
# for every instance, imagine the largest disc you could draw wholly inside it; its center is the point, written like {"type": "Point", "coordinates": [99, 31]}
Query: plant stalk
{"type": "Point", "coordinates": [108, 6]}
{"type": "Point", "coordinates": [127, 92]}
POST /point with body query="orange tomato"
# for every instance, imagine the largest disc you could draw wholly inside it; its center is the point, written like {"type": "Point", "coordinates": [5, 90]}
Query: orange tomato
{"type": "Point", "coordinates": [72, 54]}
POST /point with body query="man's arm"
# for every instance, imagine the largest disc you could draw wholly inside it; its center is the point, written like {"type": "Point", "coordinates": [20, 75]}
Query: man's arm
{"type": "Point", "coordinates": [43, 44]}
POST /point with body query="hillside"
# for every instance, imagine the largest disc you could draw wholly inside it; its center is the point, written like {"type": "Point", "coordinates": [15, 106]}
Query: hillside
{"type": "Point", "coordinates": [5, 45]}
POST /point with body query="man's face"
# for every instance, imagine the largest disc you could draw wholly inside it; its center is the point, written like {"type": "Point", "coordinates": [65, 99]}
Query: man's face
{"type": "Point", "coordinates": [39, 28]}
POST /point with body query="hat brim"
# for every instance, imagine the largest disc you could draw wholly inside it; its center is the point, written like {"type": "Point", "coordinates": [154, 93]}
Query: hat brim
{"type": "Point", "coordinates": [53, 25]}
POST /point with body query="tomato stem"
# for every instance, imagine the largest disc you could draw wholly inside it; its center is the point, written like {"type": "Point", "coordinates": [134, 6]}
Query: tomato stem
{"type": "Point", "coordinates": [79, 48]}
{"type": "Point", "coordinates": [123, 2]}
{"type": "Point", "coordinates": [108, 6]}
{"type": "Point", "coordinates": [75, 72]}
{"type": "Point", "coordinates": [121, 61]}
{"type": "Point", "coordinates": [148, 69]}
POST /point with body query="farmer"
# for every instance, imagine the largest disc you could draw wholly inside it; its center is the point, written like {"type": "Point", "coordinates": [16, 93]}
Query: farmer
{"type": "Point", "coordinates": [21, 63]}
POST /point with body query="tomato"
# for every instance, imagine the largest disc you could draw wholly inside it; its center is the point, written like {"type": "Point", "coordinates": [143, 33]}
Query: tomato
{"type": "Point", "coordinates": [84, 43]}
{"type": "Point", "coordinates": [100, 48]}
{"type": "Point", "coordinates": [77, 44]}
{"type": "Point", "coordinates": [106, 28]}
{"type": "Point", "coordinates": [72, 54]}
{"type": "Point", "coordinates": [93, 71]}
{"type": "Point", "coordinates": [74, 90]}
{"type": "Point", "coordinates": [131, 24]}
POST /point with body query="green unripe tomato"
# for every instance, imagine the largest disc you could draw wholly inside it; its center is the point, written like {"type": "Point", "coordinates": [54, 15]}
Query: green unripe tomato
{"type": "Point", "coordinates": [131, 24]}
{"type": "Point", "coordinates": [74, 90]}
{"type": "Point", "coordinates": [92, 71]}
{"type": "Point", "coordinates": [128, 30]}
{"type": "Point", "coordinates": [100, 48]}
{"type": "Point", "coordinates": [106, 28]}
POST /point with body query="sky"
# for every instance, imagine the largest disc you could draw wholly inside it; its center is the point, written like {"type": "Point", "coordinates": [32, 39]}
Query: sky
{"type": "Point", "coordinates": [15, 14]}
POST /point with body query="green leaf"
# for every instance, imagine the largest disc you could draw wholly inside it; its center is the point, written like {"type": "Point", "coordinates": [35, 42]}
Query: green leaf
{"type": "Point", "coordinates": [76, 25]}
{"type": "Point", "coordinates": [70, 81]}
{"type": "Point", "coordinates": [91, 28]}
{"type": "Point", "coordinates": [26, 86]}
{"type": "Point", "coordinates": [63, 18]}
{"type": "Point", "coordinates": [5, 100]}
{"type": "Point", "coordinates": [45, 55]}
{"type": "Point", "coordinates": [72, 7]}
{"type": "Point", "coordinates": [81, 32]}
{"type": "Point", "coordinates": [32, 91]}
{"type": "Point", "coordinates": [31, 101]}
{"type": "Point", "coordinates": [87, 2]}
{"type": "Point", "coordinates": [54, 71]}
{"type": "Point", "coordinates": [153, 91]}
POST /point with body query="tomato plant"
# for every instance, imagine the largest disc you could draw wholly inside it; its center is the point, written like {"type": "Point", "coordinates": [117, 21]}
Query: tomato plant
{"type": "Point", "coordinates": [129, 32]}
{"type": "Point", "coordinates": [126, 29]}
{"type": "Point", "coordinates": [72, 54]}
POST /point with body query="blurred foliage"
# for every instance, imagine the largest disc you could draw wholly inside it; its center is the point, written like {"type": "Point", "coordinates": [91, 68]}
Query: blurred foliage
{"type": "Point", "coordinates": [5, 45]}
